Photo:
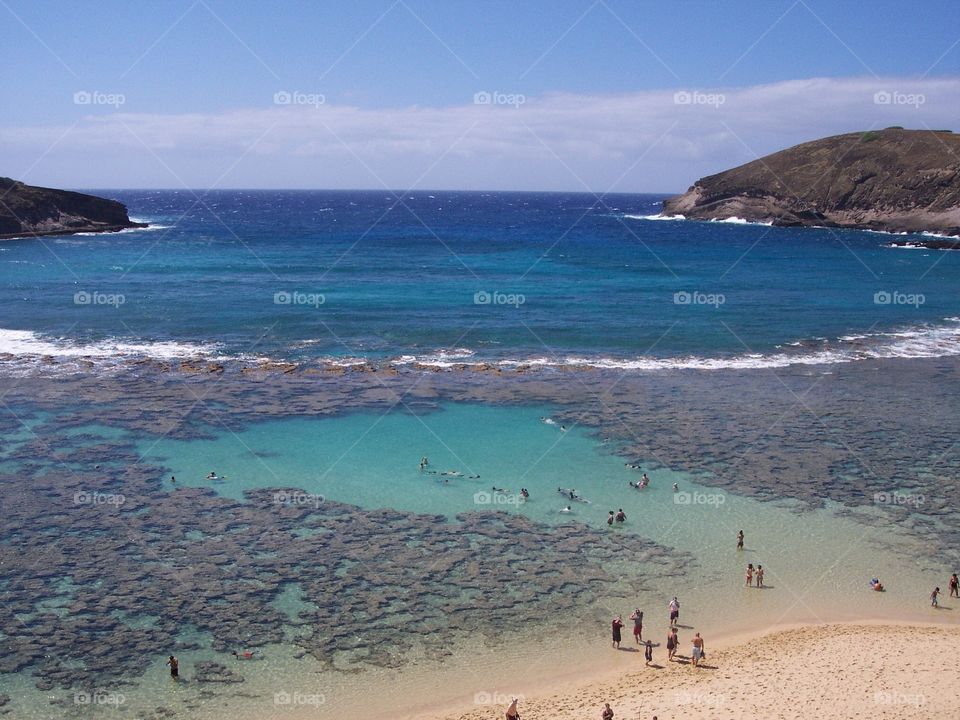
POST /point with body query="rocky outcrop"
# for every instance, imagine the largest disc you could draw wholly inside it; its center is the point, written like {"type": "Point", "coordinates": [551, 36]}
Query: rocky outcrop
{"type": "Point", "coordinates": [27, 211]}
{"type": "Point", "coordinates": [893, 180]}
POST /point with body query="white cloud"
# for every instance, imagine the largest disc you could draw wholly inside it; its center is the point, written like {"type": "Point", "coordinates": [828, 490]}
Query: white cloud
{"type": "Point", "coordinates": [643, 141]}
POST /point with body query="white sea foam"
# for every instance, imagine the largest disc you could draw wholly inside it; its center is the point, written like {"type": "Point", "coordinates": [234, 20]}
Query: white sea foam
{"type": "Point", "coordinates": [24, 349]}
{"type": "Point", "coordinates": [655, 217]}
{"type": "Point", "coordinates": [25, 343]}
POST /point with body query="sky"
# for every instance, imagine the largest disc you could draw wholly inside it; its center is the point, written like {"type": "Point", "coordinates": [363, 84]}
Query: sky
{"type": "Point", "coordinates": [591, 95]}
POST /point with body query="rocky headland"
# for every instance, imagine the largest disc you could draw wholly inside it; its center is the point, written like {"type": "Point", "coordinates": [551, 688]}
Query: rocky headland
{"type": "Point", "coordinates": [29, 211]}
{"type": "Point", "coordinates": [893, 180]}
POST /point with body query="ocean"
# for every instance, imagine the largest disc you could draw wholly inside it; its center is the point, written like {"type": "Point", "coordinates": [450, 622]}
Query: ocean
{"type": "Point", "coordinates": [214, 428]}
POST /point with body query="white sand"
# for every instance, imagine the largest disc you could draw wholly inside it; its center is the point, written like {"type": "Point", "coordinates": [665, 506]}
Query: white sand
{"type": "Point", "coordinates": [823, 671]}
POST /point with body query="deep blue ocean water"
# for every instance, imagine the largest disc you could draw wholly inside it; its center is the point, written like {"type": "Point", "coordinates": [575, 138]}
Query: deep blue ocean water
{"type": "Point", "coordinates": [306, 274]}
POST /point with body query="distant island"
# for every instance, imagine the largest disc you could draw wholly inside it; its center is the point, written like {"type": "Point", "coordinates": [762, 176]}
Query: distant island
{"type": "Point", "coordinates": [893, 180]}
{"type": "Point", "coordinates": [28, 211]}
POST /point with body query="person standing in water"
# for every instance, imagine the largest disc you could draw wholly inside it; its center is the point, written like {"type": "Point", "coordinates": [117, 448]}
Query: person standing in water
{"type": "Point", "coordinates": [697, 650]}
{"type": "Point", "coordinates": [615, 627]}
{"type": "Point", "coordinates": [610, 518]}
{"type": "Point", "coordinates": [954, 586]}
{"type": "Point", "coordinates": [759, 575]}
{"type": "Point", "coordinates": [749, 574]}
{"type": "Point", "coordinates": [174, 667]}
{"type": "Point", "coordinates": [674, 611]}
{"type": "Point", "coordinates": [740, 540]}
{"type": "Point", "coordinates": [934, 602]}
{"type": "Point", "coordinates": [637, 618]}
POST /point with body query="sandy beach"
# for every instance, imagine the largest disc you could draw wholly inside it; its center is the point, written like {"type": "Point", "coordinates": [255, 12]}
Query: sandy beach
{"type": "Point", "coordinates": [821, 671]}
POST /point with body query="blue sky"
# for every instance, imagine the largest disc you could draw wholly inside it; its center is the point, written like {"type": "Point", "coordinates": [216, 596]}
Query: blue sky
{"type": "Point", "coordinates": [161, 76]}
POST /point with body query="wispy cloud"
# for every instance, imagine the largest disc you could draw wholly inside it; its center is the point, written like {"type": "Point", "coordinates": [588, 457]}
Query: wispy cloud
{"type": "Point", "coordinates": [557, 141]}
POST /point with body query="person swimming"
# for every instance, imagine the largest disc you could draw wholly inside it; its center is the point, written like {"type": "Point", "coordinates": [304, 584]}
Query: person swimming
{"type": "Point", "coordinates": [567, 509]}
{"type": "Point", "coordinates": [676, 488]}
{"type": "Point", "coordinates": [495, 489]}
{"type": "Point", "coordinates": [524, 493]}
{"type": "Point", "coordinates": [423, 463]}
{"type": "Point", "coordinates": [212, 475]}
{"type": "Point", "coordinates": [246, 654]}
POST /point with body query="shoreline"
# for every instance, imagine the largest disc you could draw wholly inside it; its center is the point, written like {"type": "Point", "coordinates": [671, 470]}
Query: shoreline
{"type": "Point", "coordinates": [740, 661]}
{"type": "Point", "coordinates": [75, 231]}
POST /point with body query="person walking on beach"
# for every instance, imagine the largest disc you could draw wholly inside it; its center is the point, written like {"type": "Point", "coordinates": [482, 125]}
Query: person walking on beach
{"type": "Point", "coordinates": [648, 652]}
{"type": "Point", "coordinates": [674, 611]}
{"type": "Point", "coordinates": [512, 712]}
{"type": "Point", "coordinates": [749, 574]}
{"type": "Point", "coordinates": [759, 575]}
{"type": "Point", "coordinates": [607, 713]}
{"type": "Point", "coordinates": [697, 650]}
{"type": "Point", "coordinates": [174, 667]}
{"type": "Point", "coordinates": [740, 540]}
{"type": "Point", "coordinates": [616, 626]}
{"type": "Point", "coordinates": [672, 641]}
{"type": "Point", "coordinates": [954, 586]}
{"type": "Point", "coordinates": [637, 617]}
{"type": "Point", "coordinates": [934, 602]}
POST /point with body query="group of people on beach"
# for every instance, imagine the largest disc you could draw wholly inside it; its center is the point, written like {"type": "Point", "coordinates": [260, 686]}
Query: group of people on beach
{"type": "Point", "coordinates": [673, 641]}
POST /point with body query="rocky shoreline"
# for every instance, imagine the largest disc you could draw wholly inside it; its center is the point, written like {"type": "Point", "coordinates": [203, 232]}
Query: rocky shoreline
{"type": "Point", "coordinates": [893, 180]}
{"type": "Point", "coordinates": [28, 211]}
